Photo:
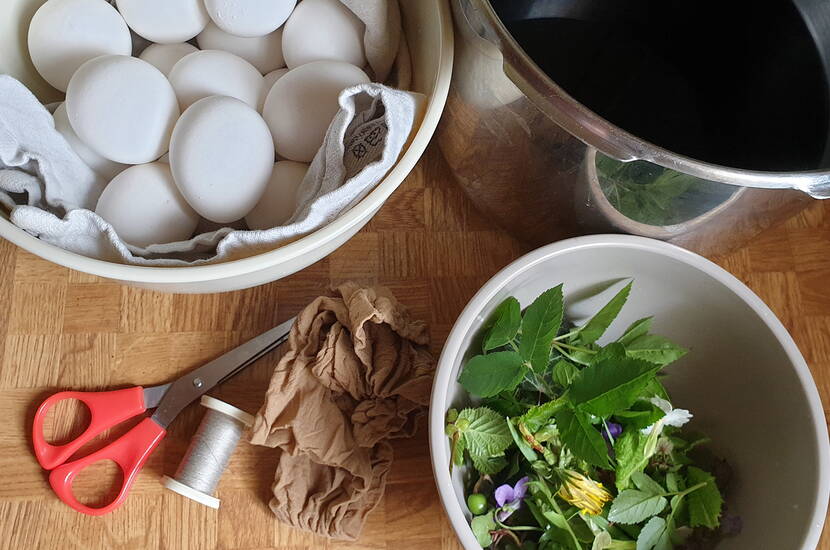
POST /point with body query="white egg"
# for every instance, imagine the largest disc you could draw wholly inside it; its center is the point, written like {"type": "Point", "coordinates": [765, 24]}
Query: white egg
{"type": "Point", "coordinates": [64, 34]}
{"type": "Point", "coordinates": [100, 165]}
{"type": "Point", "coordinates": [145, 207]}
{"type": "Point", "coordinates": [323, 30]}
{"type": "Point", "coordinates": [268, 82]}
{"type": "Point", "coordinates": [301, 105]}
{"type": "Point", "coordinates": [123, 108]}
{"type": "Point", "coordinates": [211, 72]}
{"type": "Point", "coordinates": [221, 155]}
{"type": "Point", "coordinates": [263, 52]}
{"type": "Point", "coordinates": [164, 56]}
{"type": "Point", "coordinates": [164, 21]}
{"type": "Point", "coordinates": [249, 17]}
{"type": "Point", "coordinates": [279, 200]}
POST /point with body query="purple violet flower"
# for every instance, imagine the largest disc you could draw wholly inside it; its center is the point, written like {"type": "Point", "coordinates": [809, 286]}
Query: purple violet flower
{"type": "Point", "coordinates": [510, 498]}
{"type": "Point", "coordinates": [612, 430]}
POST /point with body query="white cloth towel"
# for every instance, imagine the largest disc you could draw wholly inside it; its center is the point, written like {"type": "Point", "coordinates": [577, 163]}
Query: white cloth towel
{"type": "Point", "coordinates": [51, 193]}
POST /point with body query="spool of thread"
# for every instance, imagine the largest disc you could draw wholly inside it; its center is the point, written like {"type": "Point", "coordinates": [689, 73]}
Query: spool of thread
{"type": "Point", "coordinates": [209, 452]}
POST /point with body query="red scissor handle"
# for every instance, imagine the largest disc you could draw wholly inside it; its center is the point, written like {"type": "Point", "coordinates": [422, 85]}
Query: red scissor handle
{"type": "Point", "coordinates": [107, 409]}
{"type": "Point", "coordinates": [130, 452]}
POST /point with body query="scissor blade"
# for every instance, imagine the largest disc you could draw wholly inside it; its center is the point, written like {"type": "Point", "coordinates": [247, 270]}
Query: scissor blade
{"type": "Point", "coordinates": [153, 395]}
{"type": "Point", "coordinates": [193, 385]}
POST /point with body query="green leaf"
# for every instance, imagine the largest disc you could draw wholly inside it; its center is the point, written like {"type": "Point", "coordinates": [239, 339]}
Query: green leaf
{"type": "Point", "coordinates": [487, 433]}
{"type": "Point", "coordinates": [487, 375]}
{"type": "Point", "coordinates": [705, 503]}
{"type": "Point", "coordinates": [629, 450]}
{"type": "Point", "coordinates": [611, 385]}
{"type": "Point", "coordinates": [645, 483]}
{"type": "Point", "coordinates": [632, 506]}
{"type": "Point", "coordinates": [538, 416]}
{"type": "Point", "coordinates": [540, 324]}
{"type": "Point", "coordinates": [488, 465]}
{"type": "Point", "coordinates": [481, 526]}
{"type": "Point", "coordinates": [564, 373]}
{"type": "Point", "coordinates": [504, 324]}
{"type": "Point", "coordinates": [457, 449]}
{"type": "Point", "coordinates": [602, 541]}
{"type": "Point", "coordinates": [524, 446]}
{"type": "Point", "coordinates": [655, 388]}
{"type": "Point", "coordinates": [655, 349]}
{"type": "Point", "coordinates": [672, 482]}
{"type": "Point", "coordinates": [580, 436]}
{"type": "Point", "coordinates": [655, 535]}
{"type": "Point", "coordinates": [599, 323]}
{"type": "Point", "coordinates": [642, 414]}
{"type": "Point", "coordinates": [635, 330]}
{"type": "Point", "coordinates": [505, 403]}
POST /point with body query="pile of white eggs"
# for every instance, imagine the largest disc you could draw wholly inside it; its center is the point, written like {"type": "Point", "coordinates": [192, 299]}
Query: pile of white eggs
{"type": "Point", "coordinates": [183, 132]}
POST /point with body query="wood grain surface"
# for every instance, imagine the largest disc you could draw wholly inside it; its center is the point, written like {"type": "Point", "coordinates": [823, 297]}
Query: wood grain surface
{"type": "Point", "coordinates": [63, 329]}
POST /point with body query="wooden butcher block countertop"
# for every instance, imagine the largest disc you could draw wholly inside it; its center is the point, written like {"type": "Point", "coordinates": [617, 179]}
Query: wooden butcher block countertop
{"type": "Point", "coordinates": [63, 329]}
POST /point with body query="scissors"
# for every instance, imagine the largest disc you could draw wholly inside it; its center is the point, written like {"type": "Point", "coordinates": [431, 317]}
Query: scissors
{"type": "Point", "coordinates": [110, 408]}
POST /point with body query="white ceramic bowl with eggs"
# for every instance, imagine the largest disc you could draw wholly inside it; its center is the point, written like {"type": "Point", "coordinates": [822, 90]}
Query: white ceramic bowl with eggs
{"type": "Point", "coordinates": [428, 29]}
{"type": "Point", "coordinates": [744, 379]}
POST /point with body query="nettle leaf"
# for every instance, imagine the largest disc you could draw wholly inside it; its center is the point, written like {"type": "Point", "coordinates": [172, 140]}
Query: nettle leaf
{"type": "Point", "coordinates": [486, 434]}
{"type": "Point", "coordinates": [655, 349]}
{"type": "Point", "coordinates": [705, 503]}
{"type": "Point", "coordinates": [629, 450]}
{"type": "Point", "coordinates": [540, 324]}
{"type": "Point", "coordinates": [632, 506]}
{"type": "Point", "coordinates": [635, 330]}
{"type": "Point", "coordinates": [645, 483]}
{"type": "Point", "coordinates": [611, 385]}
{"type": "Point", "coordinates": [488, 465]}
{"type": "Point", "coordinates": [481, 526]}
{"type": "Point", "coordinates": [564, 373]}
{"type": "Point", "coordinates": [655, 535]}
{"type": "Point", "coordinates": [504, 324]}
{"type": "Point", "coordinates": [488, 375]}
{"type": "Point", "coordinates": [599, 323]}
{"type": "Point", "coordinates": [580, 436]}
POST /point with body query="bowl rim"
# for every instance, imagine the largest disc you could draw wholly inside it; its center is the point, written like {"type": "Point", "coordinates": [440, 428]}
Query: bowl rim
{"type": "Point", "coordinates": [452, 347]}
{"type": "Point", "coordinates": [367, 206]}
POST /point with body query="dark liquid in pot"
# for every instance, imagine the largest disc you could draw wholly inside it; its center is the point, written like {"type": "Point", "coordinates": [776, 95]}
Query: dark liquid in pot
{"type": "Point", "coordinates": [731, 82]}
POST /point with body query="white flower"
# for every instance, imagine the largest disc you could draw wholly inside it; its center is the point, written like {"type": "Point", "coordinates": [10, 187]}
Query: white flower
{"type": "Point", "coordinates": [673, 417]}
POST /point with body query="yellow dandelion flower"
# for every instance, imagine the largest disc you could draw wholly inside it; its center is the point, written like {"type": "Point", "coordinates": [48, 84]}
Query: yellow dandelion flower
{"type": "Point", "coordinates": [583, 492]}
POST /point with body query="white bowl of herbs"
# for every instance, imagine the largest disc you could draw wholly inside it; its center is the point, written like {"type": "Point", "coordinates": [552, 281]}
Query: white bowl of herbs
{"type": "Point", "coordinates": [619, 393]}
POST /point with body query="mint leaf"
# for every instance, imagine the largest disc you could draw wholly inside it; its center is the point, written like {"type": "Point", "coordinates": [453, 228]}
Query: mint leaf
{"type": "Point", "coordinates": [487, 375]}
{"type": "Point", "coordinates": [629, 450]}
{"type": "Point", "coordinates": [645, 483]}
{"type": "Point", "coordinates": [481, 526]}
{"type": "Point", "coordinates": [655, 535]}
{"type": "Point", "coordinates": [564, 373]}
{"type": "Point", "coordinates": [611, 385]}
{"type": "Point", "coordinates": [599, 323]}
{"type": "Point", "coordinates": [705, 503]}
{"type": "Point", "coordinates": [632, 506]}
{"type": "Point", "coordinates": [635, 330]}
{"type": "Point", "coordinates": [520, 442]}
{"type": "Point", "coordinates": [486, 434]}
{"type": "Point", "coordinates": [655, 349]}
{"type": "Point", "coordinates": [540, 324]}
{"type": "Point", "coordinates": [505, 323]}
{"type": "Point", "coordinates": [488, 465]}
{"type": "Point", "coordinates": [580, 436]}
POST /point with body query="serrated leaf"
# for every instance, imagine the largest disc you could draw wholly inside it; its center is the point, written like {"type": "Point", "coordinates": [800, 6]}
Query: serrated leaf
{"type": "Point", "coordinates": [645, 483]}
{"type": "Point", "coordinates": [642, 414]}
{"type": "Point", "coordinates": [635, 330]}
{"type": "Point", "coordinates": [540, 324]}
{"type": "Point", "coordinates": [599, 323]}
{"type": "Point", "coordinates": [629, 451]}
{"type": "Point", "coordinates": [581, 438]}
{"type": "Point", "coordinates": [705, 503]}
{"type": "Point", "coordinates": [481, 526]}
{"type": "Point", "coordinates": [538, 416]}
{"type": "Point", "coordinates": [488, 375]}
{"type": "Point", "coordinates": [654, 535]}
{"type": "Point", "coordinates": [611, 385]}
{"type": "Point", "coordinates": [524, 446]}
{"type": "Point", "coordinates": [457, 449]}
{"type": "Point", "coordinates": [655, 349]}
{"type": "Point", "coordinates": [632, 506]}
{"type": "Point", "coordinates": [655, 388]}
{"type": "Point", "coordinates": [488, 465]}
{"type": "Point", "coordinates": [504, 325]}
{"type": "Point", "coordinates": [487, 433]}
{"type": "Point", "coordinates": [564, 373]}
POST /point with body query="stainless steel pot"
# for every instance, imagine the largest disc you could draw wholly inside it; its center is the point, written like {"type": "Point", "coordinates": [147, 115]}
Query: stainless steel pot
{"type": "Point", "coordinates": [544, 166]}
